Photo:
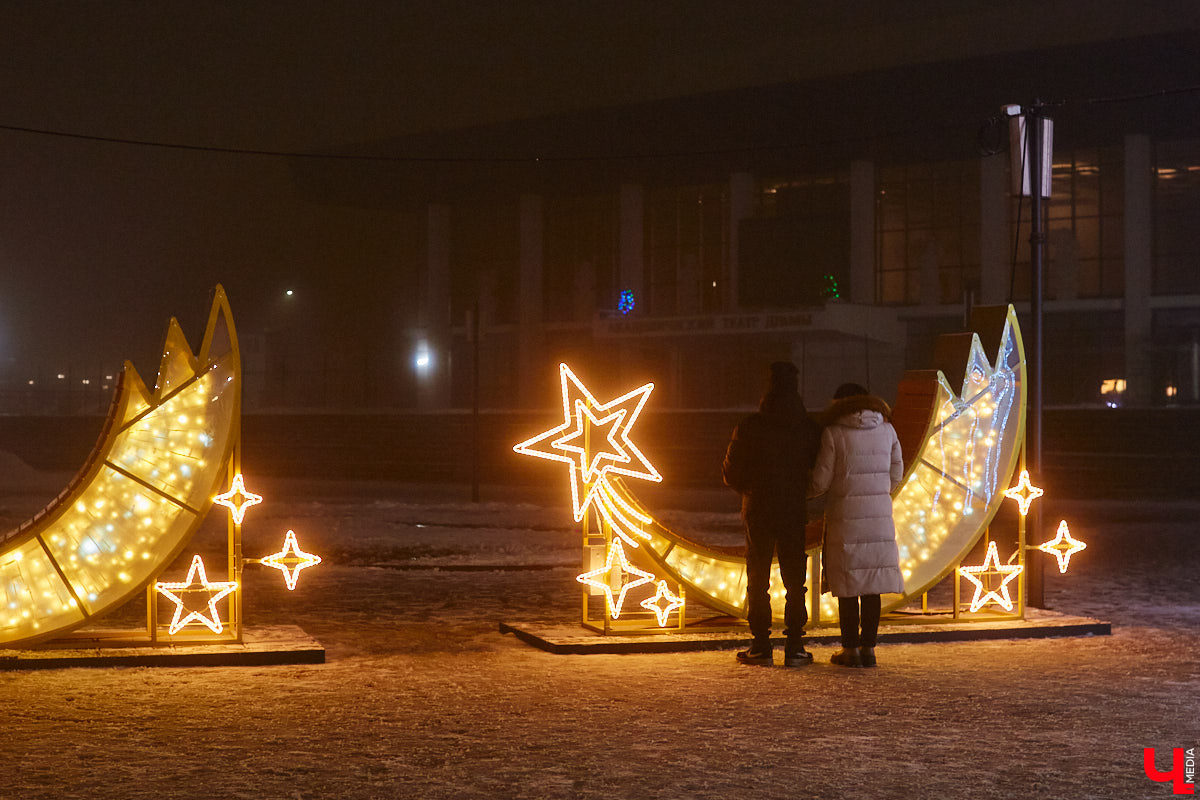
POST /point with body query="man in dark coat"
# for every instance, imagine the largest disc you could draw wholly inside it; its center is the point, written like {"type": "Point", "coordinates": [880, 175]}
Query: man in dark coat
{"type": "Point", "coordinates": [769, 462]}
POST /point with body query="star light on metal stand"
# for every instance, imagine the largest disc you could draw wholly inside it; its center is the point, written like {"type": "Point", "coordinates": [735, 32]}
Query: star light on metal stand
{"type": "Point", "coordinates": [290, 560]}
{"type": "Point", "coordinates": [1062, 546]}
{"type": "Point", "coordinates": [196, 581]}
{"type": "Point", "coordinates": [230, 499]}
{"type": "Point", "coordinates": [604, 578]}
{"type": "Point", "coordinates": [593, 441]}
{"type": "Point", "coordinates": [1024, 492]}
{"type": "Point", "coordinates": [655, 604]}
{"type": "Point", "coordinates": [991, 566]}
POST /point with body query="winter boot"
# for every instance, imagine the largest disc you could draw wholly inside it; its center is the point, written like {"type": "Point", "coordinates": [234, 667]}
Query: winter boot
{"type": "Point", "coordinates": [794, 655]}
{"type": "Point", "coordinates": [759, 653]}
{"type": "Point", "coordinates": [846, 657]}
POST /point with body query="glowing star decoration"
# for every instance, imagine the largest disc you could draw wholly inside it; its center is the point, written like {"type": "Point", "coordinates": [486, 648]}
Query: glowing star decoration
{"type": "Point", "coordinates": [594, 442]}
{"type": "Point", "coordinates": [1024, 492]}
{"type": "Point", "coordinates": [967, 454]}
{"type": "Point", "coordinates": [231, 499]}
{"type": "Point", "coordinates": [141, 495]}
{"type": "Point", "coordinates": [196, 581]}
{"type": "Point", "coordinates": [1063, 546]}
{"type": "Point", "coordinates": [655, 603]}
{"type": "Point", "coordinates": [615, 570]}
{"type": "Point", "coordinates": [290, 560]}
{"type": "Point", "coordinates": [991, 566]}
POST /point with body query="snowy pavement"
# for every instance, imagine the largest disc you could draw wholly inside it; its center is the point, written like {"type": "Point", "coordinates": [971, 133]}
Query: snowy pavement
{"type": "Point", "coordinates": [421, 697]}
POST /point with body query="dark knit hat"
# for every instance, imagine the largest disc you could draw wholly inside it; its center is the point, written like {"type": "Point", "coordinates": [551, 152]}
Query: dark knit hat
{"type": "Point", "coordinates": [784, 377]}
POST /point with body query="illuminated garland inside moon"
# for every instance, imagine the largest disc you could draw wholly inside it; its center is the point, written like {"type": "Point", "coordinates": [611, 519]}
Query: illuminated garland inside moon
{"type": "Point", "coordinates": [134, 506]}
{"type": "Point", "coordinates": [950, 493]}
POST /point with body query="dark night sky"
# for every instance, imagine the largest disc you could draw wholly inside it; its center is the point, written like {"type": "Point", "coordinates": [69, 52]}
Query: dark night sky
{"type": "Point", "coordinates": [100, 243]}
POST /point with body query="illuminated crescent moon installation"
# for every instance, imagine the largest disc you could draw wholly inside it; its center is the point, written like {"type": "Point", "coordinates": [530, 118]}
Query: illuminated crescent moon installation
{"type": "Point", "coordinates": [954, 484]}
{"type": "Point", "coordinates": [138, 499]}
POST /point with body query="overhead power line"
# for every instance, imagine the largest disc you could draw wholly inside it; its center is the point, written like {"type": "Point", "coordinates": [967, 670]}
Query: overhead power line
{"type": "Point", "coordinates": [533, 159]}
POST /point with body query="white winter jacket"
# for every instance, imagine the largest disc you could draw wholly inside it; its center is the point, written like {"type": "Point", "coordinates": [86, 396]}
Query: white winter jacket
{"type": "Point", "coordinates": [859, 465]}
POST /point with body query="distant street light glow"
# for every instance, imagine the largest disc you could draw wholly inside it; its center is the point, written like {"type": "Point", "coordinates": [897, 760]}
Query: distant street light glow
{"type": "Point", "coordinates": [289, 293]}
{"type": "Point", "coordinates": [423, 359]}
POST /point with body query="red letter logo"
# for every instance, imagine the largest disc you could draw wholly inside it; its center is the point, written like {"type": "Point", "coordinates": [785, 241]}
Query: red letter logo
{"type": "Point", "coordinates": [1176, 775]}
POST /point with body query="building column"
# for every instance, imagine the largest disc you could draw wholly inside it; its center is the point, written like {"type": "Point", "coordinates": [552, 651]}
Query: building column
{"type": "Point", "coordinates": [529, 303]}
{"type": "Point", "coordinates": [862, 232]}
{"type": "Point", "coordinates": [743, 191]}
{"type": "Point", "coordinates": [1139, 188]}
{"type": "Point", "coordinates": [995, 258]}
{"type": "Point", "coordinates": [433, 378]}
{"type": "Point", "coordinates": [631, 253]}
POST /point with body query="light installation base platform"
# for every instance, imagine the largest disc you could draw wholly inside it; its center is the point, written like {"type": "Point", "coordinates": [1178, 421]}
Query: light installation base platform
{"type": "Point", "coordinates": [576, 640]}
{"type": "Point", "coordinates": [261, 646]}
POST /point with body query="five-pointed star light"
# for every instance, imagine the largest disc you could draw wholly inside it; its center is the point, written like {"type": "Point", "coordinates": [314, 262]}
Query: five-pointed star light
{"type": "Point", "coordinates": [290, 560]}
{"type": "Point", "coordinates": [230, 499]}
{"type": "Point", "coordinates": [604, 578]}
{"type": "Point", "coordinates": [593, 440]}
{"type": "Point", "coordinates": [1062, 546]}
{"type": "Point", "coordinates": [991, 566]}
{"type": "Point", "coordinates": [1024, 492]}
{"type": "Point", "coordinates": [655, 603]}
{"type": "Point", "coordinates": [196, 581]}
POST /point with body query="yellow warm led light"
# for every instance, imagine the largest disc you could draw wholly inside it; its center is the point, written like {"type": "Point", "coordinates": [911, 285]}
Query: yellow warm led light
{"type": "Point", "coordinates": [196, 581]}
{"type": "Point", "coordinates": [655, 603]}
{"type": "Point", "coordinates": [1062, 546]}
{"type": "Point", "coordinates": [134, 507]}
{"type": "Point", "coordinates": [604, 578]}
{"type": "Point", "coordinates": [953, 487]}
{"type": "Point", "coordinates": [584, 415]}
{"type": "Point", "coordinates": [991, 566]}
{"type": "Point", "coordinates": [290, 560]}
{"type": "Point", "coordinates": [1024, 492]}
{"type": "Point", "coordinates": [237, 499]}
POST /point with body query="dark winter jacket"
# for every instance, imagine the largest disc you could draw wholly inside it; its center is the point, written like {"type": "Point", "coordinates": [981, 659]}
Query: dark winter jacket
{"type": "Point", "coordinates": [859, 465]}
{"type": "Point", "coordinates": [769, 461]}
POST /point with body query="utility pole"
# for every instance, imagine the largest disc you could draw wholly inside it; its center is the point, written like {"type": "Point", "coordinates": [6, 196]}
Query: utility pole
{"type": "Point", "coordinates": [1032, 176]}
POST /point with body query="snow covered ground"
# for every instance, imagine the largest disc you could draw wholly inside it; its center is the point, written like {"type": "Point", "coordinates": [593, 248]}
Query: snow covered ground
{"type": "Point", "coordinates": [423, 698]}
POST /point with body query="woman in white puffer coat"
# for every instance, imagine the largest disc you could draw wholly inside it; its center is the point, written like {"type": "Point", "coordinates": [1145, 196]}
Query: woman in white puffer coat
{"type": "Point", "coordinates": [859, 464]}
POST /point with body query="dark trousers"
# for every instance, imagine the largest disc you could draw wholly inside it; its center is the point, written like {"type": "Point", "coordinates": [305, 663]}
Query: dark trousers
{"type": "Point", "coordinates": [848, 620]}
{"type": "Point", "coordinates": [761, 546]}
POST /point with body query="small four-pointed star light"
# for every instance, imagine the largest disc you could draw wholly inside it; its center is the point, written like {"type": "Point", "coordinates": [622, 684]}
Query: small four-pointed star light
{"type": "Point", "coordinates": [604, 578]}
{"type": "Point", "coordinates": [196, 581]}
{"type": "Point", "coordinates": [656, 605]}
{"type": "Point", "coordinates": [237, 499]}
{"type": "Point", "coordinates": [1024, 492]}
{"type": "Point", "coordinates": [290, 560]}
{"type": "Point", "coordinates": [991, 566]}
{"type": "Point", "coordinates": [1062, 546]}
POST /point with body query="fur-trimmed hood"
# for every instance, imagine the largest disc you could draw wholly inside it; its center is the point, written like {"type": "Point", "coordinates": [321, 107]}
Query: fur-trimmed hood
{"type": "Point", "coordinates": [857, 410]}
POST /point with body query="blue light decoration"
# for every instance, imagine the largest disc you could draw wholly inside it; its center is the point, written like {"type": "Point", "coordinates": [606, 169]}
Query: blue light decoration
{"type": "Point", "coordinates": [626, 302]}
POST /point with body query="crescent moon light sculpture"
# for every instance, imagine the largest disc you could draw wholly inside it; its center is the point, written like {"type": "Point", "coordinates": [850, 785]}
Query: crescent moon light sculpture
{"type": "Point", "coordinates": [952, 489]}
{"type": "Point", "coordinates": [138, 499]}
